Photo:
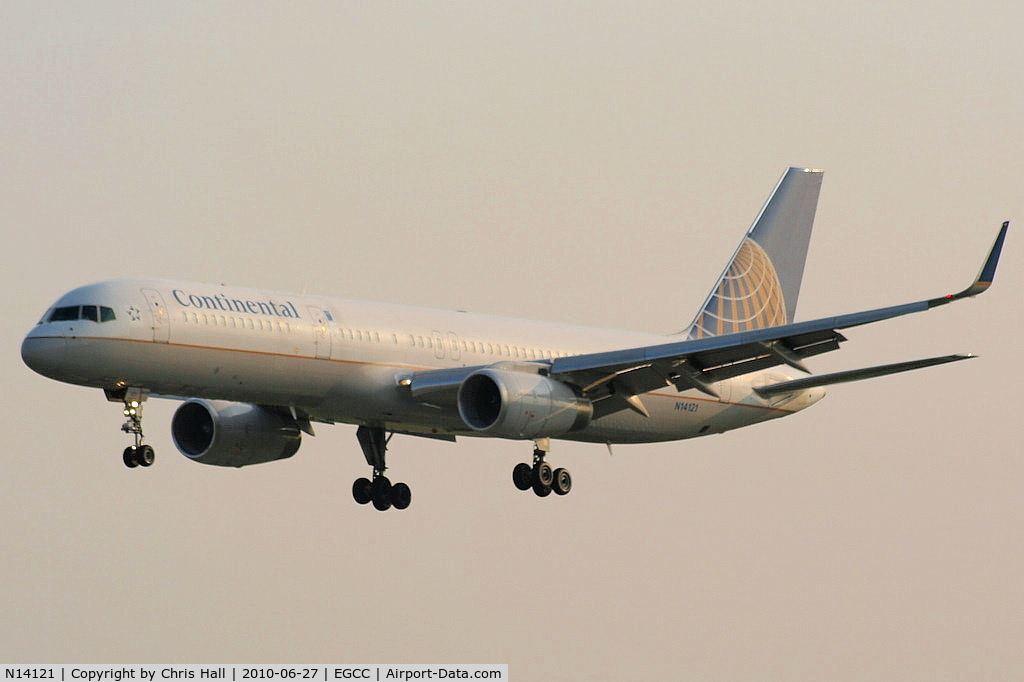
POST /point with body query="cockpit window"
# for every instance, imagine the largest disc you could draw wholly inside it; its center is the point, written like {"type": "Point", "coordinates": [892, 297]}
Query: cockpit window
{"type": "Point", "coordinates": [82, 312]}
{"type": "Point", "coordinates": [65, 314]}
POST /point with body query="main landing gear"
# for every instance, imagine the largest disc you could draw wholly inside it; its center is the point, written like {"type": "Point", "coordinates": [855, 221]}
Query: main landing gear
{"type": "Point", "coordinates": [378, 490]}
{"type": "Point", "coordinates": [541, 477]}
{"type": "Point", "coordinates": [139, 454]}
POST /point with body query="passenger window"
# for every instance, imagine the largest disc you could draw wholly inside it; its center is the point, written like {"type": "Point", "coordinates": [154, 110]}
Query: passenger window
{"type": "Point", "coordinates": [89, 312]}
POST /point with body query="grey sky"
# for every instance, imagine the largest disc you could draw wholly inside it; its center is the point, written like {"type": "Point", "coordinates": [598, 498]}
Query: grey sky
{"type": "Point", "coordinates": [589, 162]}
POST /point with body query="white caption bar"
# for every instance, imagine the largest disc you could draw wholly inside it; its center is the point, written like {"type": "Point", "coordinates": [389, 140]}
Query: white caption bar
{"type": "Point", "coordinates": [256, 673]}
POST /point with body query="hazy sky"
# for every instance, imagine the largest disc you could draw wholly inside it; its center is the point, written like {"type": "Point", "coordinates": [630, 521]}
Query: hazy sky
{"type": "Point", "coordinates": [590, 162]}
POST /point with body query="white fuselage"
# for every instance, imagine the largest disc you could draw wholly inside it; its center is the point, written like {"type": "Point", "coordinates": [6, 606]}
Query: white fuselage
{"type": "Point", "coordinates": [342, 361]}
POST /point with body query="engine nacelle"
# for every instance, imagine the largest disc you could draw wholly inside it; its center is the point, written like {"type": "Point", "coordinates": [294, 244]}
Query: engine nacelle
{"type": "Point", "coordinates": [513, 404]}
{"type": "Point", "coordinates": [233, 434]}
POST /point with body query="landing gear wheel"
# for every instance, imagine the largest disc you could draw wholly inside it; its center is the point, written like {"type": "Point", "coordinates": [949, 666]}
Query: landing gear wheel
{"type": "Point", "coordinates": [522, 476]}
{"type": "Point", "coordinates": [374, 442]}
{"type": "Point", "coordinates": [361, 490]}
{"type": "Point", "coordinates": [145, 455]}
{"type": "Point", "coordinates": [381, 492]}
{"type": "Point", "coordinates": [540, 489]}
{"type": "Point", "coordinates": [563, 482]}
{"type": "Point", "coordinates": [129, 457]}
{"type": "Point", "coordinates": [401, 496]}
{"type": "Point", "coordinates": [543, 474]}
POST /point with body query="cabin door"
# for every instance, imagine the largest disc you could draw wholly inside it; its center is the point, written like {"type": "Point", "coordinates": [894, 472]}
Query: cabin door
{"type": "Point", "coordinates": [321, 333]}
{"type": "Point", "coordinates": [158, 314]}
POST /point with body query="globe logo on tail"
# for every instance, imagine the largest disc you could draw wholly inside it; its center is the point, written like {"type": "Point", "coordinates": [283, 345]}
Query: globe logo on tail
{"type": "Point", "coordinates": [749, 296]}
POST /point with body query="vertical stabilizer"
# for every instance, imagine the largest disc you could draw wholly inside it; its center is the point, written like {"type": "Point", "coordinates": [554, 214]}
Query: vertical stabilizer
{"type": "Point", "coordinates": [761, 284]}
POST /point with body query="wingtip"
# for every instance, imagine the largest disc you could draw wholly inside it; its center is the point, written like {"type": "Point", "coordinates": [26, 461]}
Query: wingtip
{"type": "Point", "coordinates": [986, 275]}
{"type": "Point", "coordinates": [988, 271]}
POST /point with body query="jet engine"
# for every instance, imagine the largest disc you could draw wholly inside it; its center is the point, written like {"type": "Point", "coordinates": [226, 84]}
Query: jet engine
{"type": "Point", "coordinates": [522, 405]}
{"type": "Point", "coordinates": [233, 434]}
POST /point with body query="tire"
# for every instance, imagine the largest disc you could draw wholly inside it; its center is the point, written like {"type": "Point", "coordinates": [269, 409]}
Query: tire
{"type": "Point", "coordinates": [522, 476]}
{"type": "Point", "coordinates": [401, 496]}
{"type": "Point", "coordinates": [541, 490]}
{"type": "Point", "coordinates": [380, 489]}
{"type": "Point", "coordinates": [129, 458]}
{"type": "Point", "coordinates": [145, 455]}
{"type": "Point", "coordinates": [361, 490]}
{"type": "Point", "coordinates": [543, 474]}
{"type": "Point", "coordinates": [563, 482]}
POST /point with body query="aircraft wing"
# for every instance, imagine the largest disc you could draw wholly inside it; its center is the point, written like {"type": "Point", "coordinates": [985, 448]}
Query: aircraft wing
{"type": "Point", "coordinates": [699, 363]}
{"type": "Point", "coordinates": [613, 380]}
{"type": "Point", "coordinates": [855, 375]}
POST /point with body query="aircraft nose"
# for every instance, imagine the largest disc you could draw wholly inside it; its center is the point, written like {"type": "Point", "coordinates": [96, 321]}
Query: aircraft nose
{"type": "Point", "coordinates": [44, 355]}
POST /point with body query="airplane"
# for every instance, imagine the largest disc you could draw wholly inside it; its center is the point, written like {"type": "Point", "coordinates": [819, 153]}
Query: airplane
{"type": "Point", "coordinates": [255, 369]}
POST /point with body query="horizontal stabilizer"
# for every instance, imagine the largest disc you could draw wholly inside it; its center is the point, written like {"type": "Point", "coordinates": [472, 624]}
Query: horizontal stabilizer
{"type": "Point", "coordinates": [855, 375]}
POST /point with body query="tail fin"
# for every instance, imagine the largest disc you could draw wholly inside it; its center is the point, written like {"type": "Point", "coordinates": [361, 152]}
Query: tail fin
{"type": "Point", "coordinates": [761, 285]}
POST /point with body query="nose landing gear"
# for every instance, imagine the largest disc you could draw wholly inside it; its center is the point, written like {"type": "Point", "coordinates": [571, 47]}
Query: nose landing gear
{"type": "Point", "coordinates": [139, 454]}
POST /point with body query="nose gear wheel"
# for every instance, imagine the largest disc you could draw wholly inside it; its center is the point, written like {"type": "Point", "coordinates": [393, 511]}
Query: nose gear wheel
{"type": "Point", "coordinates": [138, 454]}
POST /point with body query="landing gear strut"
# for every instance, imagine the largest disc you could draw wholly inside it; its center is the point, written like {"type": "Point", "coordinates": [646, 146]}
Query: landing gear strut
{"type": "Point", "coordinates": [541, 477]}
{"type": "Point", "coordinates": [139, 454]}
{"type": "Point", "coordinates": [378, 490]}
